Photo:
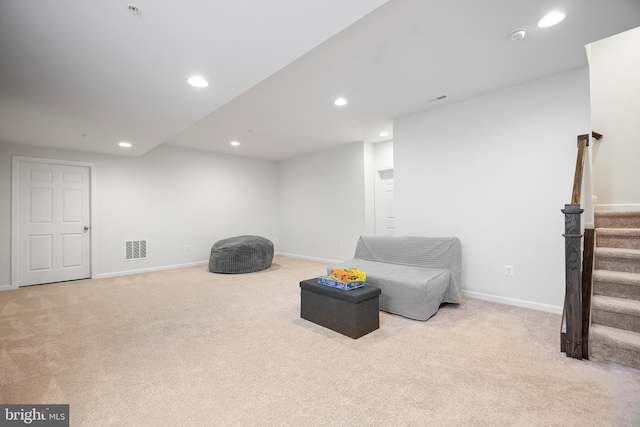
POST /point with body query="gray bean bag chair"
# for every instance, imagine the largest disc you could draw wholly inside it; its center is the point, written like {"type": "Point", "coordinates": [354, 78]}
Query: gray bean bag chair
{"type": "Point", "coordinates": [242, 254]}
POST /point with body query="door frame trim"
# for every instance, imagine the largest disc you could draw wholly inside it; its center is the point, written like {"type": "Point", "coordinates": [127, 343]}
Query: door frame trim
{"type": "Point", "coordinates": [15, 163]}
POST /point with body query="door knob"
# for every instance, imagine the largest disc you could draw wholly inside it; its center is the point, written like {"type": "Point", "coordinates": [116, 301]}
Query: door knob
{"type": "Point", "coordinates": [86, 228]}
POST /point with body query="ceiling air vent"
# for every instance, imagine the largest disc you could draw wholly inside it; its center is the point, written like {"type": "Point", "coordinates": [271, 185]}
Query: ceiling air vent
{"type": "Point", "coordinates": [439, 98]}
{"type": "Point", "coordinates": [135, 249]}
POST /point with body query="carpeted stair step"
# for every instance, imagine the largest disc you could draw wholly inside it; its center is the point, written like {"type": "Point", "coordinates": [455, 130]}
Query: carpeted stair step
{"type": "Point", "coordinates": [617, 219]}
{"type": "Point", "coordinates": [617, 284]}
{"type": "Point", "coordinates": [614, 345]}
{"type": "Point", "coordinates": [617, 259]}
{"type": "Point", "coordinates": [626, 238]}
{"type": "Point", "coordinates": [616, 313]}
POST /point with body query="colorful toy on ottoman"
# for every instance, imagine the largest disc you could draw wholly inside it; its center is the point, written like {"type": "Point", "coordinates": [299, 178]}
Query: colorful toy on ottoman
{"type": "Point", "coordinates": [344, 278]}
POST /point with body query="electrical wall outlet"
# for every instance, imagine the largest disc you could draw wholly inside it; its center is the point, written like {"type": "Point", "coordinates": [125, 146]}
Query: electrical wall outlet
{"type": "Point", "coordinates": [186, 248]}
{"type": "Point", "coordinates": [508, 270]}
{"type": "Point", "coordinates": [339, 245]}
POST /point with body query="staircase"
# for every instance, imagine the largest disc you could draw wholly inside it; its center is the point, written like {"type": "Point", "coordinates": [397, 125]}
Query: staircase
{"type": "Point", "coordinates": [615, 307]}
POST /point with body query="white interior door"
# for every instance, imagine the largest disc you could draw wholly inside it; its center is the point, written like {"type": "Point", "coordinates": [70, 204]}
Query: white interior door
{"type": "Point", "coordinates": [53, 223]}
{"type": "Point", "coordinates": [385, 217]}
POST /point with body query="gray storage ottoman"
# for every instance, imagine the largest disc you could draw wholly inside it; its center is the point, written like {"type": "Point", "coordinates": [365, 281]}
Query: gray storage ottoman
{"type": "Point", "coordinates": [353, 313]}
{"type": "Point", "coordinates": [242, 254]}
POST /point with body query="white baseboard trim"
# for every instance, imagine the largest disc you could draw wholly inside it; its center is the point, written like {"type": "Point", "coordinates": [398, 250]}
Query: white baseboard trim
{"type": "Point", "coordinates": [328, 261]}
{"type": "Point", "coordinates": [619, 207]}
{"type": "Point", "coordinates": [148, 270]}
{"type": "Point", "coordinates": [511, 301]}
{"type": "Point", "coordinates": [5, 287]}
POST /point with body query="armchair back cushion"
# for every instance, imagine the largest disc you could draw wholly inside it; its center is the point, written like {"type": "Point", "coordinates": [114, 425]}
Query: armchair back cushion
{"type": "Point", "coordinates": [417, 251]}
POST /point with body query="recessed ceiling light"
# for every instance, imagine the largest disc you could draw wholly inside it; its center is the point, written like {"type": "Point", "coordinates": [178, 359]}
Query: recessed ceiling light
{"type": "Point", "coordinates": [384, 133]}
{"type": "Point", "coordinates": [235, 143]}
{"type": "Point", "coordinates": [551, 19]}
{"type": "Point", "coordinates": [340, 102]}
{"type": "Point", "coordinates": [198, 81]}
{"type": "Point", "coordinates": [125, 144]}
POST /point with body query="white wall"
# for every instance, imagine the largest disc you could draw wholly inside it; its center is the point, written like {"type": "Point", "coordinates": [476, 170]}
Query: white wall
{"type": "Point", "coordinates": [322, 203]}
{"type": "Point", "coordinates": [170, 196]}
{"type": "Point", "coordinates": [495, 172]}
{"type": "Point", "coordinates": [615, 108]}
{"type": "Point", "coordinates": [383, 153]}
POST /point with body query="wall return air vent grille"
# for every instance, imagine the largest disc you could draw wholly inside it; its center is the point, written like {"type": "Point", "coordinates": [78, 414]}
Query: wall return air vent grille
{"type": "Point", "coordinates": [135, 249]}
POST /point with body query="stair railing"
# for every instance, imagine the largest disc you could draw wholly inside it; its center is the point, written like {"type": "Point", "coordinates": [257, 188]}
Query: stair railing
{"type": "Point", "coordinates": [574, 331]}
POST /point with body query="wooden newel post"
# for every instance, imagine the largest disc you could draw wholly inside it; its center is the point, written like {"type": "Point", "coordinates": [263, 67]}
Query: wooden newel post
{"type": "Point", "coordinates": [573, 297]}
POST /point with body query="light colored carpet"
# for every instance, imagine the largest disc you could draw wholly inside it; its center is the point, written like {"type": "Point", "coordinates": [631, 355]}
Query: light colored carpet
{"type": "Point", "coordinates": [186, 347]}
